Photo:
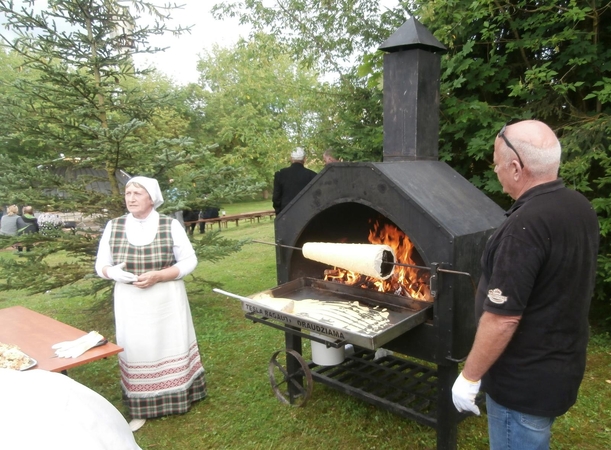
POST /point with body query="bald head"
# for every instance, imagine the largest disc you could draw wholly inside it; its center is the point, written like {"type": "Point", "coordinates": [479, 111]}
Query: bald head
{"type": "Point", "coordinates": [537, 146]}
{"type": "Point", "coordinates": [535, 133]}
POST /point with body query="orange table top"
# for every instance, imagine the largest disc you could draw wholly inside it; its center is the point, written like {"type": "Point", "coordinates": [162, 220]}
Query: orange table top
{"type": "Point", "coordinates": [35, 333]}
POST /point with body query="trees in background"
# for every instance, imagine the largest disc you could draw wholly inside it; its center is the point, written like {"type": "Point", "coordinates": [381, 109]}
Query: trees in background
{"type": "Point", "coordinates": [79, 102]}
{"type": "Point", "coordinates": [333, 38]}
{"type": "Point", "coordinates": [310, 75]}
{"type": "Point", "coordinates": [256, 105]}
{"type": "Point", "coordinates": [328, 35]}
{"type": "Point", "coordinates": [506, 60]}
{"type": "Point", "coordinates": [547, 60]}
{"type": "Point", "coordinates": [73, 99]}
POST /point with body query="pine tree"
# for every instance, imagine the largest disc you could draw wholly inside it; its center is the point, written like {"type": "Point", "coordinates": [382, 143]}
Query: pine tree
{"type": "Point", "coordinates": [78, 119]}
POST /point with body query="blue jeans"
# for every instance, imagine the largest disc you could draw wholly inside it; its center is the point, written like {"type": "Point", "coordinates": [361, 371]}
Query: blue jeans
{"type": "Point", "coordinates": [512, 430]}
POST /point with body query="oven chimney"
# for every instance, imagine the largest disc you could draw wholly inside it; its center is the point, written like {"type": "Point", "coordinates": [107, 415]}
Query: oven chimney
{"type": "Point", "coordinates": [412, 68]}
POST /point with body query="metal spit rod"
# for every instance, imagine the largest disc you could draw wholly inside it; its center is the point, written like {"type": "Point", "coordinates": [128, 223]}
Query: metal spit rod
{"type": "Point", "coordinates": [412, 266]}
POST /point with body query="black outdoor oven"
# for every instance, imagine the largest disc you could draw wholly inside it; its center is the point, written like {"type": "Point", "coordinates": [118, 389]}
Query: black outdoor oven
{"type": "Point", "coordinates": [447, 219]}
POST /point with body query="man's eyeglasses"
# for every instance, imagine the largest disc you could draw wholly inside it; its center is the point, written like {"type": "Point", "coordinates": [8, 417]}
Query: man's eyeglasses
{"type": "Point", "coordinates": [502, 136]}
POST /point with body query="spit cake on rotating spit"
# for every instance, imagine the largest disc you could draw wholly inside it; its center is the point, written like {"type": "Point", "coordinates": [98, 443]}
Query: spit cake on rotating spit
{"type": "Point", "coordinates": [372, 260]}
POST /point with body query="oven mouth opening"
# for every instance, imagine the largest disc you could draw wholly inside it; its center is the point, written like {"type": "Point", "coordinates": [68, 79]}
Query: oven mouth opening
{"type": "Point", "coordinates": [356, 223]}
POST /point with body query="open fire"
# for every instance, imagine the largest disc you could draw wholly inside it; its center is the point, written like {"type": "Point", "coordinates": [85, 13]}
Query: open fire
{"type": "Point", "coordinates": [405, 281]}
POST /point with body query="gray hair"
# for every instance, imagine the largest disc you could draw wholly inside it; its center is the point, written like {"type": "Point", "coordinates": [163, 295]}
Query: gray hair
{"type": "Point", "coordinates": [540, 161]}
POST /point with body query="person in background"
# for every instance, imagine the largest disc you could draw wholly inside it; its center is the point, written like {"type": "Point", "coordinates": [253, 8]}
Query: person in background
{"type": "Point", "coordinates": [189, 216]}
{"type": "Point", "coordinates": [8, 223]}
{"type": "Point", "coordinates": [534, 294]}
{"type": "Point", "coordinates": [329, 157]}
{"type": "Point", "coordinates": [26, 224]}
{"type": "Point", "coordinates": [174, 194]}
{"type": "Point", "coordinates": [209, 212]}
{"type": "Point", "coordinates": [288, 182]}
{"type": "Point", "coordinates": [147, 255]}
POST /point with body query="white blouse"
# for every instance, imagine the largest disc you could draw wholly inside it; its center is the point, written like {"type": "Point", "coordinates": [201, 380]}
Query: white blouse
{"type": "Point", "coordinates": [142, 232]}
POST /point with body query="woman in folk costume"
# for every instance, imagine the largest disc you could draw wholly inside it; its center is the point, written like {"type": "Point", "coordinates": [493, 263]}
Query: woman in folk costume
{"type": "Point", "coordinates": [147, 255]}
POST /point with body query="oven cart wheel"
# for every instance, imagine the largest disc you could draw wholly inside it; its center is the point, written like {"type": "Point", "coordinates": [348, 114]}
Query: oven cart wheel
{"type": "Point", "coordinates": [293, 388]}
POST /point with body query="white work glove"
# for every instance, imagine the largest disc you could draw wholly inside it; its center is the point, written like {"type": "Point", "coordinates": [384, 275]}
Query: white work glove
{"type": "Point", "coordinates": [119, 275]}
{"type": "Point", "coordinates": [463, 394]}
{"type": "Point", "coordinates": [74, 349]}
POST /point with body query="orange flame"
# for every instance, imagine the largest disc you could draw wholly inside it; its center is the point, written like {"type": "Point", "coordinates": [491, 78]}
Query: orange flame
{"type": "Point", "coordinates": [404, 281]}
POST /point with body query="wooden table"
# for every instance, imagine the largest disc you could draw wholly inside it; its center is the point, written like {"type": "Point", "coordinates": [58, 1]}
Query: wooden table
{"type": "Point", "coordinates": [35, 333]}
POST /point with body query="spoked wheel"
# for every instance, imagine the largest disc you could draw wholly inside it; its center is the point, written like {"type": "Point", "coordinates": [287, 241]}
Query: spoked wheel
{"type": "Point", "coordinates": [290, 377]}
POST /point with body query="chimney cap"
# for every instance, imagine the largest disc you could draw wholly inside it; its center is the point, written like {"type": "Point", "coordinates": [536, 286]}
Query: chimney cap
{"type": "Point", "coordinates": [412, 35]}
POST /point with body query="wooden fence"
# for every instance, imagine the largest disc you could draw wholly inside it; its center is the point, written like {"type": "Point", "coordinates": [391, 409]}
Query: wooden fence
{"type": "Point", "coordinates": [222, 221]}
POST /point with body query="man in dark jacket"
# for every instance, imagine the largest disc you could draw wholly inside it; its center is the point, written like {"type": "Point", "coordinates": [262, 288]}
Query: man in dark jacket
{"type": "Point", "coordinates": [288, 182]}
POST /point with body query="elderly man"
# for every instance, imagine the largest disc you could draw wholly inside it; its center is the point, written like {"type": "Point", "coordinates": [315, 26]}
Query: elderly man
{"type": "Point", "coordinates": [534, 295]}
{"type": "Point", "coordinates": [288, 182]}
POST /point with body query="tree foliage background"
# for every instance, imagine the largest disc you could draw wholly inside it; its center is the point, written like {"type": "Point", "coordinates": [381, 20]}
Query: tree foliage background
{"type": "Point", "coordinates": [72, 99]}
{"type": "Point", "coordinates": [309, 74]}
{"type": "Point", "coordinates": [258, 104]}
{"type": "Point", "coordinates": [548, 60]}
{"type": "Point", "coordinates": [507, 60]}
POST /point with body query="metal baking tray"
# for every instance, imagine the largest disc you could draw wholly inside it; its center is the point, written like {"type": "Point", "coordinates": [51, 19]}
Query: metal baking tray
{"type": "Point", "coordinates": [31, 363]}
{"type": "Point", "coordinates": [404, 313]}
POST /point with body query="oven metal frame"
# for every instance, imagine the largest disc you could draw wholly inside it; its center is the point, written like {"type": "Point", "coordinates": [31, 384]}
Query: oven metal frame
{"type": "Point", "coordinates": [411, 389]}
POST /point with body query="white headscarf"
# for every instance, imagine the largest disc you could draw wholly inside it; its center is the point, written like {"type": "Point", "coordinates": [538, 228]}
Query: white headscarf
{"type": "Point", "coordinates": [152, 187]}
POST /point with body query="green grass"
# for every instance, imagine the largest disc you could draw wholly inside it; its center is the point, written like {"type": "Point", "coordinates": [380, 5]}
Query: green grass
{"type": "Point", "coordinates": [237, 208]}
{"type": "Point", "coordinates": [241, 411]}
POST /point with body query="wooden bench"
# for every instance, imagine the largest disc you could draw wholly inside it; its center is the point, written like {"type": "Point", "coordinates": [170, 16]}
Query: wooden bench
{"type": "Point", "coordinates": [222, 221]}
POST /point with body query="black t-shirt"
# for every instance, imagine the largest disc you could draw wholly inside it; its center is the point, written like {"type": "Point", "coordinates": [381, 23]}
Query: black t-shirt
{"type": "Point", "coordinates": [541, 264]}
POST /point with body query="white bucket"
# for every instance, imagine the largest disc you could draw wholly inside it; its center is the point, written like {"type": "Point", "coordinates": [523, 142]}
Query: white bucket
{"type": "Point", "coordinates": [326, 356]}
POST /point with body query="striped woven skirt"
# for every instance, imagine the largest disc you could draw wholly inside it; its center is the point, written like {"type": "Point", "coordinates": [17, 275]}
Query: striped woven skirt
{"type": "Point", "coordinates": [161, 369]}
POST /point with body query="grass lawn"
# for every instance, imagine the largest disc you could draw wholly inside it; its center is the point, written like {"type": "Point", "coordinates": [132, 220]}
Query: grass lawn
{"type": "Point", "coordinates": [241, 411]}
{"type": "Point", "coordinates": [237, 208]}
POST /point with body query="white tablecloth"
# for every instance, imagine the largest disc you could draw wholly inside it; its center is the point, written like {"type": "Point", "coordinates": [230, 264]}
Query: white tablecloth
{"type": "Point", "coordinates": [40, 409]}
